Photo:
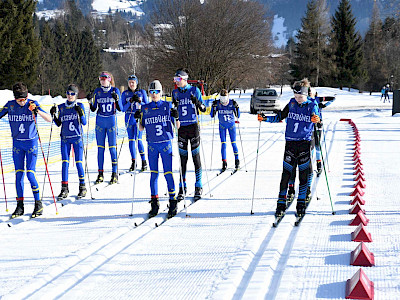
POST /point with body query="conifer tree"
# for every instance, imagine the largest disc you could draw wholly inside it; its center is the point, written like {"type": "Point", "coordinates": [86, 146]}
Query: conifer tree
{"type": "Point", "coordinates": [311, 57]}
{"type": "Point", "coordinates": [347, 45]}
{"type": "Point", "coordinates": [374, 49]}
{"type": "Point", "coordinates": [21, 44]}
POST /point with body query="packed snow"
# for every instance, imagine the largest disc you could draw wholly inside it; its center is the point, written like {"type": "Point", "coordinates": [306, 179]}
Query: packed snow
{"type": "Point", "coordinates": [214, 248]}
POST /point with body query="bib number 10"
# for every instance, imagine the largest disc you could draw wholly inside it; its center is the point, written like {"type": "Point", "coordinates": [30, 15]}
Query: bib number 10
{"type": "Point", "coordinates": [107, 107]}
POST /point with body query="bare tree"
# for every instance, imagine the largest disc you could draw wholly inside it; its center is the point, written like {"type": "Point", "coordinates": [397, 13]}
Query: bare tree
{"type": "Point", "coordinates": [220, 41]}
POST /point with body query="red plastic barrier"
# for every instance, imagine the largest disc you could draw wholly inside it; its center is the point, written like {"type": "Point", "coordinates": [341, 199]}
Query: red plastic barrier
{"type": "Point", "coordinates": [361, 235]}
{"type": "Point", "coordinates": [359, 219]}
{"type": "Point", "coordinates": [359, 286]}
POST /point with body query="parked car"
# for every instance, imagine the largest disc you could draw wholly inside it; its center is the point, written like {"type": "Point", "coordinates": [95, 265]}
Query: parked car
{"type": "Point", "coordinates": [264, 100]}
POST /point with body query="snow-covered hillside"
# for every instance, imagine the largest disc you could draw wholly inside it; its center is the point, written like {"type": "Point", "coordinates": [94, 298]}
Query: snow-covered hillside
{"type": "Point", "coordinates": [104, 7]}
{"type": "Point", "coordinates": [215, 249]}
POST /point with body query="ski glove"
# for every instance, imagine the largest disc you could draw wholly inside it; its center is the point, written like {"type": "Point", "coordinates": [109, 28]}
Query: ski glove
{"type": "Point", "coordinates": [53, 110]}
{"type": "Point", "coordinates": [137, 115]}
{"type": "Point", "coordinates": [235, 104]}
{"type": "Point", "coordinates": [315, 119]}
{"type": "Point", "coordinates": [79, 110]}
{"type": "Point", "coordinates": [114, 95]}
{"type": "Point", "coordinates": [260, 118]}
{"type": "Point", "coordinates": [198, 103]}
{"type": "Point", "coordinates": [214, 104]}
{"type": "Point", "coordinates": [135, 98]}
{"type": "Point", "coordinates": [175, 102]}
{"type": "Point", "coordinates": [33, 107]}
{"type": "Point", "coordinates": [174, 113]}
{"type": "Point", "coordinates": [89, 97]}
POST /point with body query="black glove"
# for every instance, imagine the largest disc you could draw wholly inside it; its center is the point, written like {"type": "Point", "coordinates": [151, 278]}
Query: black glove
{"type": "Point", "coordinates": [215, 104]}
{"type": "Point", "coordinates": [175, 102]}
{"type": "Point", "coordinates": [195, 101]}
{"type": "Point", "coordinates": [79, 110]}
{"type": "Point", "coordinates": [135, 98]}
{"type": "Point", "coordinates": [174, 113]}
{"type": "Point", "coordinates": [114, 95]}
{"type": "Point", "coordinates": [53, 110]}
{"type": "Point", "coordinates": [137, 115]}
{"type": "Point", "coordinates": [89, 97]}
{"type": "Point", "coordinates": [235, 104]}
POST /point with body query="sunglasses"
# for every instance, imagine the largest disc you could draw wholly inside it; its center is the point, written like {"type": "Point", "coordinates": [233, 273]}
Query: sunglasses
{"type": "Point", "coordinates": [104, 77]}
{"type": "Point", "coordinates": [178, 79]}
{"type": "Point", "coordinates": [21, 99]}
{"type": "Point", "coordinates": [71, 93]}
{"type": "Point", "coordinates": [155, 92]}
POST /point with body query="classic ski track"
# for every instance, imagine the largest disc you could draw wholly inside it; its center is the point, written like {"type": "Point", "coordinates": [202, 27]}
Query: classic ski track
{"type": "Point", "coordinates": [268, 262]}
{"type": "Point", "coordinates": [76, 268]}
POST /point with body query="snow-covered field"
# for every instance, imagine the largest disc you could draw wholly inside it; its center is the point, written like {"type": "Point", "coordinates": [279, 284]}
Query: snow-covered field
{"type": "Point", "coordinates": [215, 249]}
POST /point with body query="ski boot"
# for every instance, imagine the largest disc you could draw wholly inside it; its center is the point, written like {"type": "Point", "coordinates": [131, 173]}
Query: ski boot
{"type": "Point", "coordinates": [114, 178]}
{"type": "Point", "coordinates": [155, 205]}
{"type": "Point", "coordinates": [38, 210]}
{"type": "Point", "coordinates": [319, 167]}
{"type": "Point", "coordinates": [280, 209]}
{"type": "Point", "coordinates": [197, 193]}
{"type": "Point", "coordinates": [181, 194]}
{"type": "Point", "coordinates": [237, 164]}
{"type": "Point", "coordinates": [291, 192]}
{"type": "Point", "coordinates": [308, 196]}
{"type": "Point", "coordinates": [173, 208]}
{"type": "Point", "coordinates": [19, 211]}
{"type": "Point", "coordinates": [144, 165]}
{"type": "Point", "coordinates": [133, 166]}
{"type": "Point", "coordinates": [82, 191]}
{"type": "Point", "coordinates": [64, 191]}
{"type": "Point", "coordinates": [224, 166]}
{"type": "Point", "coordinates": [100, 178]}
{"type": "Point", "coordinates": [301, 207]}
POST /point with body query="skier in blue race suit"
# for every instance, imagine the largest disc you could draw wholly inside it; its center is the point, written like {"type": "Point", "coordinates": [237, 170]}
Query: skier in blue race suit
{"type": "Point", "coordinates": [188, 101]}
{"type": "Point", "coordinates": [156, 118]}
{"type": "Point", "coordinates": [22, 114]}
{"type": "Point", "coordinates": [131, 100]}
{"type": "Point", "coordinates": [300, 114]}
{"type": "Point", "coordinates": [228, 110]}
{"type": "Point", "coordinates": [71, 117]}
{"type": "Point", "coordinates": [321, 102]}
{"type": "Point", "coordinates": [106, 100]}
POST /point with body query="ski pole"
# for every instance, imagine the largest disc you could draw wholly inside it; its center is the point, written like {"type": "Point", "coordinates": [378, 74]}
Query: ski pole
{"type": "Point", "coordinates": [4, 185]}
{"type": "Point", "coordinates": [180, 170]}
{"type": "Point", "coordinates": [48, 152]}
{"type": "Point", "coordinates": [202, 150]}
{"type": "Point", "coordinates": [241, 144]}
{"type": "Point", "coordinates": [326, 178]}
{"type": "Point", "coordinates": [212, 142]}
{"type": "Point", "coordinates": [134, 169]}
{"type": "Point", "coordinates": [326, 151]}
{"type": "Point", "coordinates": [122, 143]}
{"type": "Point", "coordinates": [255, 170]}
{"type": "Point", "coordinates": [86, 151]}
{"type": "Point", "coordinates": [45, 162]}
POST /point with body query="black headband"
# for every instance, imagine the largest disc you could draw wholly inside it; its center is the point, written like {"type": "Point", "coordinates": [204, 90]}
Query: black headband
{"type": "Point", "coordinates": [20, 95]}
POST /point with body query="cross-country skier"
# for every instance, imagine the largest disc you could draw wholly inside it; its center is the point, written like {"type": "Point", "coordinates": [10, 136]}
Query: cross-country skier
{"type": "Point", "coordinates": [22, 114]}
{"type": "Point", "coordinates": [189, 101]}
{"type": "Point", "coordinates": [228, 110]}
{"type": "Point", "coordinates": [71, 117]}
{"type": "Point", "coordinates": [322, 102]}
{"type": "Point", "coordinates": [155, 117]}
{"type": "Point", "coordinates": [300, 114]}
{"type": "Point", "coordinates": [106, 100]}
{"type": "Point", "coordinates": [131, 100]}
